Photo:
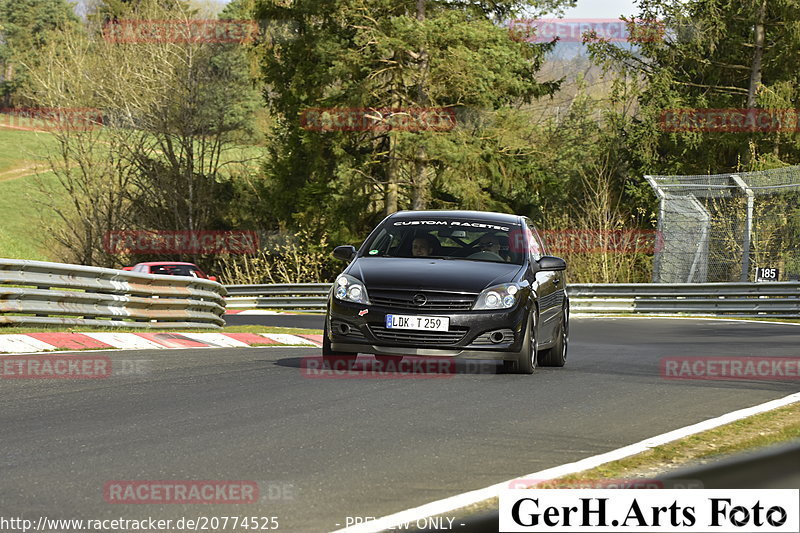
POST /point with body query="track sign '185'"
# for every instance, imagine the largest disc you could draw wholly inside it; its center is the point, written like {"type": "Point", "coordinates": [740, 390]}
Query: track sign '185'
{"type": "Point", "coordinates": [767, 274]}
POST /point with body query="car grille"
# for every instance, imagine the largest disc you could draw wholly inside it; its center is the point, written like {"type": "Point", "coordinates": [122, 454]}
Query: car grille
{"type": "Point", "coordinates": [418, 337]}
{"type": "Point", "coordinates": [435, 301]}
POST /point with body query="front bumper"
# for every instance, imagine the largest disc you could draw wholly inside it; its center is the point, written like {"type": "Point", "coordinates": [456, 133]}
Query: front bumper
{"type": "Point", "coordinates": [350, 329]}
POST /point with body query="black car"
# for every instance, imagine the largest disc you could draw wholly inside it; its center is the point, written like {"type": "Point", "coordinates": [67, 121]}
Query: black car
{"type": "Point", "coordinates": [461, 284]}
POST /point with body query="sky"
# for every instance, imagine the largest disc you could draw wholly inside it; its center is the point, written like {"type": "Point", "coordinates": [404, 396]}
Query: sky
{"type": "Point", "coordinates": [605, 9]}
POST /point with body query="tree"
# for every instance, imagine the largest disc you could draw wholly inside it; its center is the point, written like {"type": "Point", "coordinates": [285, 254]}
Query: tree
{"type": "Point", "coordinates": [25, 27]}
{"type": "Point", "coordinates": [717, 54]}
{"type": "Point", "coordinates": [379, 55]}
{"type": "Point", "coordinates": [172, 111]}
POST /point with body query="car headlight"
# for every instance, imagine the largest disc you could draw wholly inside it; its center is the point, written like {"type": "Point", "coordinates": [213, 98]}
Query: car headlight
{"type": "Point", "coordinates": [497, 297]}
{"type": "Point", "coordinates": [349, 289]}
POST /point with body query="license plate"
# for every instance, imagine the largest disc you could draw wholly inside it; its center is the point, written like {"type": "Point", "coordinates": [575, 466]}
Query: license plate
{"type": "Point", "coordinates": [427, 323]}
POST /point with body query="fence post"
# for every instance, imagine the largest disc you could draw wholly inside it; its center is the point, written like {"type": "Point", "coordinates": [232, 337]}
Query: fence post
{"type": "Point", "coordinates": [748, 228]}
{"type": "Point", "coordinates": [659, 228]}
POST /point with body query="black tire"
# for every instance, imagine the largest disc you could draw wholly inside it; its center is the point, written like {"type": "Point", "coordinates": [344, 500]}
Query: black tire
{"type": "Point", "coordinates": [527, 357]}
{"type": "Point", "coordinates": [335, 360]}
{"type": "Point", "coordinates": [557, 355]}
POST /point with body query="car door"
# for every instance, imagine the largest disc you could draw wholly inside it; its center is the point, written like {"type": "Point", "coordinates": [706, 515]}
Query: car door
{"type": "Point", "coordinates": [548, 287]}
{"type": "Point", "coordinates": [560, 284]}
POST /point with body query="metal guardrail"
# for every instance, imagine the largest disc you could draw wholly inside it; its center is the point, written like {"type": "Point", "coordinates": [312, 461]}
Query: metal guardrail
{"type": "Point", "coordinates": [774, 299]}
{"type": "Point", "coordinates": [778, 299]}
{"type": "Point", "coordinates": [38, 292]}
{"type": "Point", "coordinates": [302, 296]}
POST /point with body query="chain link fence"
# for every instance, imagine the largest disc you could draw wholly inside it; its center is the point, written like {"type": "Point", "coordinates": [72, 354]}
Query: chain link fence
{"type": "Point", "coordinates": [728, 227]}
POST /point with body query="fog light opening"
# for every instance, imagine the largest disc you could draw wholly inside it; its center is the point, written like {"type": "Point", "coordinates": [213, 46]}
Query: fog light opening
{"type": "Point", "coordinates": [344, 329]}
{"type": "Point", "coordinates": [496, 337]}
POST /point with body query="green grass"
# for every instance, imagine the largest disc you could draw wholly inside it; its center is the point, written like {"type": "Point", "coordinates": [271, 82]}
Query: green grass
{"type": "Point", "coordinates": [22, 235]}
{"type": "Point", "coordinates": [21, 231]}
{"type": "Point", "coordinates": [759, 431]}
{"type": "Point", "coordinates": [24, 148]}
{"type": "Point", "coordinates": [21, 218]}
{"type": "Point", "coordinates": [749, 434]}
{"type": "Point", "coordinates": [767, 319]}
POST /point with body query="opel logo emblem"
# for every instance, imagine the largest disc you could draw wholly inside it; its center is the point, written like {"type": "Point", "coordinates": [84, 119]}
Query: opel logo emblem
{"type": "Point", "coordinates": [419, 299]}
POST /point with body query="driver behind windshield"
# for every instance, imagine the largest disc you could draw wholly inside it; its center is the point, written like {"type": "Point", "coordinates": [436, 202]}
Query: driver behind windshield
{"type": "Point", "coordinates": [491, 243]}
{"type": "Point", "coordinates": [423, 246]}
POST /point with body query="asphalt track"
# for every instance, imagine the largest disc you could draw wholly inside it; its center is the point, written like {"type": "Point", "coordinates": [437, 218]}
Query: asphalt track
{"type": "Point", "coordinates": [325, 449]}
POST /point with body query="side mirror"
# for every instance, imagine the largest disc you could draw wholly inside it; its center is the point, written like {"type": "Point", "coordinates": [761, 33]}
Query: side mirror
{"type": "Point", "coordinates": [212, 278]}
{"type": "Point", "coordinates": [345, 253]}
{"type": "Point", "coordinates": [548, 262]}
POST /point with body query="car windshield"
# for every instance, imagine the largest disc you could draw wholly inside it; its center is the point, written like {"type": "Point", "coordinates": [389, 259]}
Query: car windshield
{"type": "Point", "coordinates": [460, 239]}
{"type": "Point", "coordinates": [177, 270]}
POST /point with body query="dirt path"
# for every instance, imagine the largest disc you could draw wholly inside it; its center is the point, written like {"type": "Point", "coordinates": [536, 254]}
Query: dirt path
{"type": "Point", "coordinates": [23, 128]}
{"type": "Point", "coordinates": [27, 168]}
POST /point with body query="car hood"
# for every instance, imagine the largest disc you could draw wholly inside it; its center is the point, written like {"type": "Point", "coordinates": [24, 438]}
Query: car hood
{"type": "Point", "coordinates": [456, 275]}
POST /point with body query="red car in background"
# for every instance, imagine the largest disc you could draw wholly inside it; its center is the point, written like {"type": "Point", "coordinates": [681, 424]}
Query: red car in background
{"type": "Point", "coordinates": [170, 268]}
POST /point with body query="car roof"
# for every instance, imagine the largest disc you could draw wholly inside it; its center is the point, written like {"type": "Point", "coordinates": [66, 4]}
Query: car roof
{"type": "Point", "coordinates": [486, 216]}
{"type": "Point", "coordinates": [164, 263]}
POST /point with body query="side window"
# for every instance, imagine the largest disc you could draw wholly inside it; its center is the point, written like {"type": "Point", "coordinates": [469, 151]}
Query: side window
{"type": "Point", "coordinates": [535, 248]}
{"type": "Point", "coordinates": [385, 243]}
